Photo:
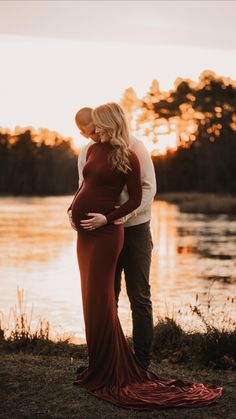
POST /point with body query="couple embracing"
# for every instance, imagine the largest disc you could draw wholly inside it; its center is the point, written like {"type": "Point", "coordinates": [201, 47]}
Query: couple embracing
{"type": "Point", "coordinates": [111, 213]}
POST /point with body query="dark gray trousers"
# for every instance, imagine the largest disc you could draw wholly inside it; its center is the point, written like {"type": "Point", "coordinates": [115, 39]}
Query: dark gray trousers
{"type": "Point", "coordinates": [135, 261]}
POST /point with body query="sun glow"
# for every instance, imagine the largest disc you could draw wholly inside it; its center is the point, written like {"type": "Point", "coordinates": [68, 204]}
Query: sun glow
{"type": "Point", "coordinates": [47, 91]}
{"type": "Point", "coordinates": [160, 145]}
{"type": "Point", "coordinates": [165, 143]}
{"type": "Point", "coordinates": [158, 135]}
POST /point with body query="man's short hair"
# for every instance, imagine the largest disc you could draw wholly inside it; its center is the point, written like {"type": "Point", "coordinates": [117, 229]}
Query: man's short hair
{"type": "Point", "coordinates": [84, 116]}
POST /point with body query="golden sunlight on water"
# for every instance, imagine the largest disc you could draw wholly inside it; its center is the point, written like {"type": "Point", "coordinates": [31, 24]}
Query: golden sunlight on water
{"type": "Point", "coordinates": [192, 254]}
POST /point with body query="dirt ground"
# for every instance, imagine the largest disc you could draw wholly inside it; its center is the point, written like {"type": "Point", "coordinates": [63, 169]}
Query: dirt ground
{"type": "Point", "coordinates": [37, 386]}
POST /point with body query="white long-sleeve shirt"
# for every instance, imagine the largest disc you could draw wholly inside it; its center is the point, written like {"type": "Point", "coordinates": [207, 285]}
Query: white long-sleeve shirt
{"type": "Point", "coordinates": [142, 214]}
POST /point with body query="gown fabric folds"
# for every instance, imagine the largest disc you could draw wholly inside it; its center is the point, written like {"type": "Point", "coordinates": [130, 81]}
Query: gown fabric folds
{"type": "Point", "coordinates": [114, 374]}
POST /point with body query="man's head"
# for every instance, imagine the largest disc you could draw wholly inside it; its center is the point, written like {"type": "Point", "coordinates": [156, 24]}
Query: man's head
{"type": "Point", "coordinates": [84, 122]}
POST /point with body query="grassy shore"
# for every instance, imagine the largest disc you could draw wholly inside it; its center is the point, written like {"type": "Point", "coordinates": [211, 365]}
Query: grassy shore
{"type": "Point", "coordinates": [213, 349]}
{"type": "Point", "coordinates": [214, 346]}
{"type": "Point", "coordinates": [37, 373]}
{"type": "Point", "coordinates": [205, 203]}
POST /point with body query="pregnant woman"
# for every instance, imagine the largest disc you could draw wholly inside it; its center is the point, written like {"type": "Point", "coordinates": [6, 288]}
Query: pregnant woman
{"type": "Point", "coordinates": [114, 373]}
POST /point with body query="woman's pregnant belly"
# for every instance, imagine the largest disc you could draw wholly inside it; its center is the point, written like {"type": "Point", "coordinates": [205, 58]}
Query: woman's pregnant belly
{"type": "Point", "coordinates": [92, 200]}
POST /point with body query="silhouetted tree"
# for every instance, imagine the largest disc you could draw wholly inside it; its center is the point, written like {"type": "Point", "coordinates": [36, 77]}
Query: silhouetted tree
{"type": "Point", "coordinates": [37, 163]}
{"type": "Point", "coordinates": [203, 117]}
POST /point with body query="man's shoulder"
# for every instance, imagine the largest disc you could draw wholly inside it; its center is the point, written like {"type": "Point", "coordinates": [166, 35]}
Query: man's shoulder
{"type": "Point", "coordinates": [134, 141]}
{"type": "Point", "coordinates": [86, 146]}
{"type": "Point", "coordinates": [138, 146]}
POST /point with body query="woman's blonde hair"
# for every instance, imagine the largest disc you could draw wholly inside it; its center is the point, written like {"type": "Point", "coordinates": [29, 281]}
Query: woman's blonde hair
{"type": "Point", "coordinates": [111, 117]}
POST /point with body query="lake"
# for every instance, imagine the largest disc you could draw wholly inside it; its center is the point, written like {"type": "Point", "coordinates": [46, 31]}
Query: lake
{"type": "Point", "coordinates": [193, 255]}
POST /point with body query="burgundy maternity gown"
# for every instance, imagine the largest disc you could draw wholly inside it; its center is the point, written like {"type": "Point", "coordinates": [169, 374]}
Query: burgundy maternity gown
{"type": "Point", "coordinates": [114, 374]}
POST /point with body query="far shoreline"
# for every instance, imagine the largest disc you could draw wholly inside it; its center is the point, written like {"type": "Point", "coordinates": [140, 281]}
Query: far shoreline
{"type": "Point", "coordinates": [201, 202]}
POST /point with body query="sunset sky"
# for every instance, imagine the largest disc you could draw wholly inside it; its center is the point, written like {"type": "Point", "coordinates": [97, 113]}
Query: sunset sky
{"type": "Point", "coordinates": [58, 56]}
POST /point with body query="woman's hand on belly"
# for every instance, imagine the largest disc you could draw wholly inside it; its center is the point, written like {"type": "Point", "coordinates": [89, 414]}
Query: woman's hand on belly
{"type": "Point", "coordinates": [97, 220]}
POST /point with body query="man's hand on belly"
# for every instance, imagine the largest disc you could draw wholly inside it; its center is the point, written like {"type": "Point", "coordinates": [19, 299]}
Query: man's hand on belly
{"type": "Point", "coordinates": [120, 221]}
{"type": "Point", "coordinates": [97, 220]}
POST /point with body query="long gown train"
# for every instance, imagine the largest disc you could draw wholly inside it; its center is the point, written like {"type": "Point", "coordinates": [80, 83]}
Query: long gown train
{"type": "Point", "coordinates": [114, 374]}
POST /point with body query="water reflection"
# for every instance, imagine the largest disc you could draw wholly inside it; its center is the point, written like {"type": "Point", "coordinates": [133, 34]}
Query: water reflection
{"type": "Point", "coordinates": [38, 253]}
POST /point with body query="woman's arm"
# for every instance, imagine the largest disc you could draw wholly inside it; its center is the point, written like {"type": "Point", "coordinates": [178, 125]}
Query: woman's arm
{"type": "Point", "coordinates": [134, 187]}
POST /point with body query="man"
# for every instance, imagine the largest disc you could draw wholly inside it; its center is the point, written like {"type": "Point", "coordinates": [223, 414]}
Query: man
{"type": "Point", "coordinates": [135, 258]}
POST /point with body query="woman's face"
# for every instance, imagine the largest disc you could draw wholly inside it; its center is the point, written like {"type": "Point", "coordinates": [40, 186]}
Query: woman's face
{"type": "Point", "coordinates": [103, 133]}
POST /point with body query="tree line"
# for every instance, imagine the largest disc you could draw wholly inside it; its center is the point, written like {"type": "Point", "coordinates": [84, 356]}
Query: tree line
{"type": "Point", "coordinates": [201, 114]}
{"type": "Point", "coordinates": [37, 163]}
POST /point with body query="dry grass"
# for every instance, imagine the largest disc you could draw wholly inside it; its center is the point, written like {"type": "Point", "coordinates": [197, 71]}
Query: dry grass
{"type": "Point", "coordinates": [18, 324]}
{"type": "Point", "coordinates": [17, 333]}
{"type": "Point", "coordinates": [215, 349]}
{"type": "Point", "coordinates": [214, 346]}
